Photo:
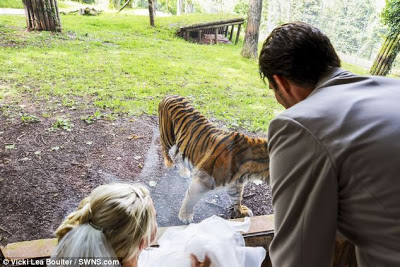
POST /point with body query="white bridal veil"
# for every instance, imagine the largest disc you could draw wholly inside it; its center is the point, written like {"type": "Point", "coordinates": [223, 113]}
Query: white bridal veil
{"type": "Point", "coordinates": [84, 246]}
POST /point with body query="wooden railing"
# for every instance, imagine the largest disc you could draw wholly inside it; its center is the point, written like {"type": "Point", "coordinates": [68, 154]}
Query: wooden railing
{"type": "Point", "coordinates": [260, 234]}
{"type": "Point", "coordinates": [195, 32]}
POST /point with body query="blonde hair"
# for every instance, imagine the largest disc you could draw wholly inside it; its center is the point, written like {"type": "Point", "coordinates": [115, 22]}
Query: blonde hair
{"type": "Point", "coordinates": [123, 212]}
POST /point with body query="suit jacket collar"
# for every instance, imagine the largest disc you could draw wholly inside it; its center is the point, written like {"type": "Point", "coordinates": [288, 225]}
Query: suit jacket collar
{"type": "Point", "coordinates": [327, 77]}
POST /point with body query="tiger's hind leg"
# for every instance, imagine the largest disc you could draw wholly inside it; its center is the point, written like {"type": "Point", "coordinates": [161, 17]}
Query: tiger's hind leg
{"type": "Point", "coordinates": [199, 186]}
{"type": "Point", "coordinates": [235, 192]}
{"type": "Point", "coordinates": [167, 160]}
{"type": "Point", "coordinates": [178, 162]}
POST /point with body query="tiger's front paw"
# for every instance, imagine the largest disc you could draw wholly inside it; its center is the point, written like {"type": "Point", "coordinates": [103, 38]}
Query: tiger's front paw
{"type": "Point", "coordinates": [185, 217]}
{"type": "Point", "coordinates": [184, 172]}
{"type": "Point", "coordinates": [243, 211]}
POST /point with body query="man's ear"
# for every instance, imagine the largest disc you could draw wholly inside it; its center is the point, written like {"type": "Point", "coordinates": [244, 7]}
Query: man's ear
{"type": "Point", "coordinates": [283, 84]}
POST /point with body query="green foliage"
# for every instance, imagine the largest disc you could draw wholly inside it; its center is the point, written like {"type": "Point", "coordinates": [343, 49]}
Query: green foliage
{"type": "Point", "coordinates": [391, 16]}
{"type": "Point", "coordinates": [62, 123]}
{"type": "Point", "coordinates": [242, 7]}
{"type": "Point", "coordinates": [27, 118]}
{"type": "Point", "coordinates": [353, 26]}
{"type": "Point", "coordinates": [89, 119]}
{"type": "Point", "coordinates": [166, 6]}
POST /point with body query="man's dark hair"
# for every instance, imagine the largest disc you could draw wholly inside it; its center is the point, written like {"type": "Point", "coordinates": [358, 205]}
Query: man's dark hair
{"type": "Point", "coordinates": [299, 52]}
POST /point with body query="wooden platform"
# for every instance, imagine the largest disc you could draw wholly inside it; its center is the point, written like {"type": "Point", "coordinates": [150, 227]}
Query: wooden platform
{"type": "Point", "coordinates": [260, 234]}
{"type": "Point", "coordinates": [219, 29]}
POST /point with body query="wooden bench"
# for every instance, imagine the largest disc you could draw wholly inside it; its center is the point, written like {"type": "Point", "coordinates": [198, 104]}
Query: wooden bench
{"type": "Point", "coordinates": [223, 27]}
{"type": "Point", "coordinates": [260, 234]}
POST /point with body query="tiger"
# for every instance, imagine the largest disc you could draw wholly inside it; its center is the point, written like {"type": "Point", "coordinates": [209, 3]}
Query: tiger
{"type": "Point", "coordinates": [212, 157]}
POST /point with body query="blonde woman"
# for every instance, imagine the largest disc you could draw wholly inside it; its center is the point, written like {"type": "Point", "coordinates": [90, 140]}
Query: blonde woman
{"type": "Point", "coordinates": [117, 221]}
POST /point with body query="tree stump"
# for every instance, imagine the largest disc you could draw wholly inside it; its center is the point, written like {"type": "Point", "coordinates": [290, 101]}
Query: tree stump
{"type": "Point", "coordinates": [42, 15]}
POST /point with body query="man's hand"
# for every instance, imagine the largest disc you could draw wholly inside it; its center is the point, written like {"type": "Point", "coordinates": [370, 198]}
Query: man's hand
{"type": "Point", "coordinates": [197, 263]}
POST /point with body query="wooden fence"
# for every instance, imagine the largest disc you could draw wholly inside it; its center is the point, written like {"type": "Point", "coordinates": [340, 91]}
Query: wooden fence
{"type": "Point", "coordinates": [223, 27]}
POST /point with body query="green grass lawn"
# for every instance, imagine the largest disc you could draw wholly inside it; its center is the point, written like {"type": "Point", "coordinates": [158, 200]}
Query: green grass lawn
{"type": "Point", "coordinates": [120, 62]}
{"type": "Point", "coordinates": [19, 4]}
{"type": "Point", "coordinates": [11, 4]}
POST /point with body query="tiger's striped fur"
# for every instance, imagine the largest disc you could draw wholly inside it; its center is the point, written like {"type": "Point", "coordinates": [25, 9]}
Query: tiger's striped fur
{"type": "Point", "coordinates": [211, 156]}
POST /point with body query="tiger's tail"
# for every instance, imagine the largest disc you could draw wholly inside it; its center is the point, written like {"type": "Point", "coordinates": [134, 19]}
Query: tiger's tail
{"type": "Point", "coordinates": [166, 126]}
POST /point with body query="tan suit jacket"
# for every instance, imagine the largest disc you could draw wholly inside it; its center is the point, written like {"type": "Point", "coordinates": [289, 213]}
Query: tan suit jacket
{"type": "Point", "coordinates": [335, 165]}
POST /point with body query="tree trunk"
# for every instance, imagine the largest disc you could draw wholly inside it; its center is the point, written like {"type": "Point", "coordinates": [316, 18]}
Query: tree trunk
{"type": "Point", "coordinates": [386, 56]}
{"type": "Point", "coordinates": [250, 46]}
{"type": "Point", "coordinates": [117, 4]}
{"type": "Point", "coordinates": [151, 12]}
{"type": "Point", "coordinates": [42, 15]}
{"type": "Point", "coordinates": [179, 7]}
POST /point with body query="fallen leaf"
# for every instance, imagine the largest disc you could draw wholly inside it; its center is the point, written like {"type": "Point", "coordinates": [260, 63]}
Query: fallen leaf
{"type": "Point", "coordinates": [152, 183]}
{"type": "Point", "coordinates": [137, 157]}
{"type": "Point", "coordinates": [134, 137]}
{"type": "Point", "coordinates": [56, 194]}
{"type": "Point", "coordinates": [55, 148]}
{"type": "Point", "coordinates": [25, 159]}
{"type": "Point", "coordinates": [37, 152]}
{"type": "Point", "coordinates": [119, 158]}
{"type": "Point", "coordinates": [89, 143]}
{"type": "Point", "coordinates": [140, 166]}
{"type": "Point", "coordinates": [10, 147]}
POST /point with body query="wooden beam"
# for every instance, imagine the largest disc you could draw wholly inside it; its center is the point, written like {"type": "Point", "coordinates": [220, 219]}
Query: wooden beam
{"type": "Point", "coordinates": [207, 27]}
{"type": "Point", "coordinates": [238, 33]}
{"type": "Point", "coordinates": [214, 23]}
{"type": "Point", "coordinates": [43, 248]}
{"type": "Point", "coordinates": [200, 32]}
{"type": "Point", "coordinates": [216, 35]}
{"type": "Point", "coordinates": [232, 28]}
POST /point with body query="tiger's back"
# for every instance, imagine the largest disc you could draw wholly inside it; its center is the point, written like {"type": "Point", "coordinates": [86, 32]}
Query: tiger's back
{"type": "Point", "coordinates": [212, 156]}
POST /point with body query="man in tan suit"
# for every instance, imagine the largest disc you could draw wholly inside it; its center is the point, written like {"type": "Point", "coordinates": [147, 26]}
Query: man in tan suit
{"type": "Point", "coordinates": [334, 153]}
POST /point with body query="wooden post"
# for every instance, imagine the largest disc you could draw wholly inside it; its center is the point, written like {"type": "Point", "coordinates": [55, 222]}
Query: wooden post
{"type": "Point", "coordinates": [226, 31]}
{"type": "Point", "coordinates": [199, 36]}
{"type": "Point", "coordinates": [238, 33]}
{"type": "Point", "coordinates": [232, 28]}
{"type": "Point", "coordinates": [51, 7]}
{"type": "Point", "coordinates": [151, 12]}
{"type": "Point", "coordinates": [216, 35]}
